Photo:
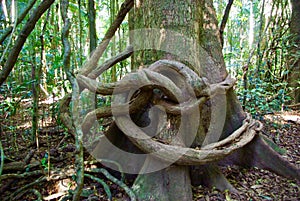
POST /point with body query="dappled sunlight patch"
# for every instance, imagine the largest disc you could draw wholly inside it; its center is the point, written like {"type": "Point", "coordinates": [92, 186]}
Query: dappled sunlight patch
{"type": "Point", "coordinates": [284, 117]}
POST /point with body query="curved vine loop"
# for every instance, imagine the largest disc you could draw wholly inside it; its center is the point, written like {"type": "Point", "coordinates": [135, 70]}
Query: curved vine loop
{"type": "Point", "coordinates": [181, 154]}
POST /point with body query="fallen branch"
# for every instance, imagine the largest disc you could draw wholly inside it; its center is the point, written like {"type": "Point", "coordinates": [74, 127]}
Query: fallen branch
{"type": "Point", "coordinates": [294, 105]}
{"type": "Point", "coordinates": [19, 166]}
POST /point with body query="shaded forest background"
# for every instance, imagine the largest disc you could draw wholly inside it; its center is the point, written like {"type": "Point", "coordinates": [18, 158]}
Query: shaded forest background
{"type": "Point", "coordinates": [257, 49]}
{"type": "Point", "coordinates": [259, 46]}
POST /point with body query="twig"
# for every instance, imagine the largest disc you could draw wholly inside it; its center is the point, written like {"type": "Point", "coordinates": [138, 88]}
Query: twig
{"type": "Point", "coordinates": [66, 198]}
{"type": "Point", "coordinates": [56, 195]}
{"type": "Point", "coordinates": [109, 161]}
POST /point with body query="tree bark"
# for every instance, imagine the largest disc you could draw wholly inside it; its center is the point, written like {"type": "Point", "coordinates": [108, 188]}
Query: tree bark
{"type": "Point", "coordinates": [185, 18]}
{"type": "Point", "coordinates": [294, 75]}
{"type": "Point", "coordinates": [171, 30]}
{"type": "Point", "coordinates": [92, 26]}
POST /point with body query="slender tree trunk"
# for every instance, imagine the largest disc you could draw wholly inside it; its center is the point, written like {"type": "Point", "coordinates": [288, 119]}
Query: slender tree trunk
{"type": "Point", "coordinates": [27, 29]}
{"type": "Point", "coordinates": [92, 26]}
{"type": "Point", "coordinates": [113, 11]}
{"type": "Point", "coordinates": [80, 32]}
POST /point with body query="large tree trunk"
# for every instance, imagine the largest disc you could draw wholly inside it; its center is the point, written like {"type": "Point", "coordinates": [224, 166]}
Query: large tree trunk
{"type": "Point", "coordinates": [187, 36]}
{"type": "Point", "coordinates": [186, 31]}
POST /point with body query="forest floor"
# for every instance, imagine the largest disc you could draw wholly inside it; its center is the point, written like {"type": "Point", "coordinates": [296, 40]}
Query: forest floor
{"type": "Point", "coordinates": [26, 170]}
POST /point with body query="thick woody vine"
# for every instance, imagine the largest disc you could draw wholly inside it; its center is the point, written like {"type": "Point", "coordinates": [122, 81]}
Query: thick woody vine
{"type": "Point", "coordinates": [152, 79]}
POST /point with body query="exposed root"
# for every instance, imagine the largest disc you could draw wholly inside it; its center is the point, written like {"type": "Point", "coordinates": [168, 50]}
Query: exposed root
{"type": "Point", "coordinates": [21, 191]}
{"type": "Point", "coordinates": [34, 191]}
{"type": "Point", "coordinates": [61, 174]}
{"type": "Point", "coordinates": [210, 176]}
{"type": "Point", "coordinates": [259, 154]}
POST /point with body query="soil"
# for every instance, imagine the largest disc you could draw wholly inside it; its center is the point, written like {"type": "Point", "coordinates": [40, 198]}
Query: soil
{"type": "Point", "coordinates": [56, 143]}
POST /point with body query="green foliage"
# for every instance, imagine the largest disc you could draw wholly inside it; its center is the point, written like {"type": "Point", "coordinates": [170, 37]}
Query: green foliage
{"type": "Point", "coordinates": [45, 162]}
{"type": "Point", "coordinates": [264, 97]}
{"type": "Point", "coordinates": [263, 87]}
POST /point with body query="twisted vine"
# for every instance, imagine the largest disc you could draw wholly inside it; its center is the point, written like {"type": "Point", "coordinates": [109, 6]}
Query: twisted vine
{"type": "Point", "coordinates": [151, 78]}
